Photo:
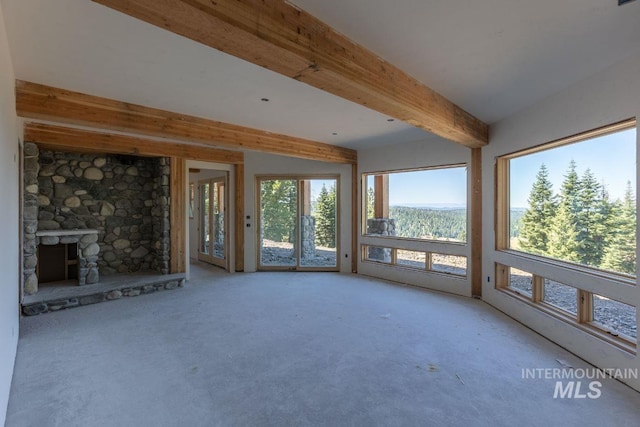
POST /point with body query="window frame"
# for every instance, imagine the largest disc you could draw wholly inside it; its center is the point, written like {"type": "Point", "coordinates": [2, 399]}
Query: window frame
{"type": "Point", "coordinates": [588, 281]}
{"type": "Point", "coordinates": [502, 202]}
{"type": "Point", "coordinates": [428, 267]}
{"type": "Point", "coordinates": [582, 320]}
{"type": "Point", "coordinates": [364, 199]}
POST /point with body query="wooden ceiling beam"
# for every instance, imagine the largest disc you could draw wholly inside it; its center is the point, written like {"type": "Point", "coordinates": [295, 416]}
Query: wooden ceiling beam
{"type": "Point", "coordinates": [276, 35]}
{"type": "Point", "coordinates": [59, 138]}
{"type": "Point", "coordinates": [42, 102]}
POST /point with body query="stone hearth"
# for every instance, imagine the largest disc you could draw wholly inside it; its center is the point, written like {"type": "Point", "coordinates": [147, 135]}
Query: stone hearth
{"type": "Point", "coordinates": [110, 288]}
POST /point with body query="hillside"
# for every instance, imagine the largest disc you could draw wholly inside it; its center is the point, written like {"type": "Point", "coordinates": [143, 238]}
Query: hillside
{"type": "Point", "coordinates": [439, 223]}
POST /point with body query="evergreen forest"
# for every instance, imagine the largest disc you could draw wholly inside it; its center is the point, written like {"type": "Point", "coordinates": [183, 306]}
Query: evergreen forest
{"type": "Point", "coordinates": [279, 198]}
{"type": "Point", "coordinates": [430, 223]}
{"type": "Point", "coordinates": [579, 223]}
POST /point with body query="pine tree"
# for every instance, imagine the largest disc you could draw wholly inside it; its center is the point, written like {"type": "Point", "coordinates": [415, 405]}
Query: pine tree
{"type": "Point", "coordinates": [370, 203]}
{"type": "Point", "coordinates": [278, 209]}
{"type": "Point", "coordinates": [604, 225]}
{"type": "Point", "coordinates": [536, 221]}
{"type": "Point", "coordinates": [592, 220]}
{"type": "Point", "coordinates": [570, 190]}
{"type": "Point", "coordinates": [563, 232]}
{"type": "Point", "coordinates": [584, 226]}
{"type": "Point", "coordinates": [563, 237]}
{"type": "Point", "coordinates": [620, 255]}
{"type": "Point", "coordinates": [326, 218]}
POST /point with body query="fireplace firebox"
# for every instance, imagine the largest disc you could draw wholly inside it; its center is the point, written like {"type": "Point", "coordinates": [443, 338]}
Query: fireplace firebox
{"type": "Point", "coordinates": [57, 262]}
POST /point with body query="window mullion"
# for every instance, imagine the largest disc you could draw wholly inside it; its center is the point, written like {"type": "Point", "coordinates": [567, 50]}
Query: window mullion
{"type": "Point", "coordinates": [585, 303]}
{"type": "Point", "coordinates": [537, 289]}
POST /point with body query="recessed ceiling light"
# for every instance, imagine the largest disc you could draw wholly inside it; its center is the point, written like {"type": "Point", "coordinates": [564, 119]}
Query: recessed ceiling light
{"type": "Point", "coordinates": [265, 100]}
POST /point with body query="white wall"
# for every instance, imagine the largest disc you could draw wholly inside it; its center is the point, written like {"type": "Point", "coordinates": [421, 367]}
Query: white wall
{"type": "Point", "coordinates": [432, 152]}
{"type": "Point", "coordinates": [608, 97]}
{"type": "Point", "coordinates": [269, 164]}
{"type": "Point", "coordinates": [9, 244]}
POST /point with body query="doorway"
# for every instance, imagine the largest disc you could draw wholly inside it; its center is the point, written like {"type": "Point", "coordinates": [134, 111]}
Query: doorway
{"type": "Point", "coordinates": [298, 225]}
{"type": "Point", "coordinates": [212, 221]}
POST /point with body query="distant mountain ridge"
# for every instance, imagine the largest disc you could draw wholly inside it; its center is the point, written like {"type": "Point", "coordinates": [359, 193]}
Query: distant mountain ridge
{"type": "Point", "coordinates": [439, 221]}
{"type": "Point", "coordinates": [444, 206]}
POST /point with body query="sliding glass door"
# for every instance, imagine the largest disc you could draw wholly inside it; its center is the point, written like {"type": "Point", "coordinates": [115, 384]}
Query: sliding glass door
{"type": "Point", "coordinates": [278, 224]}
{"type": "Point", "coordinates": [298, 223]}
{"type": "Point", "coordinates": [212, 204]}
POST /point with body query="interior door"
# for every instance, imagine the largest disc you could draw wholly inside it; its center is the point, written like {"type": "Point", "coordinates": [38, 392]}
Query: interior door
{"type": "Point", "coordinates": [212, 208]}
{"type": "Point", "coordinates": [298, 224]}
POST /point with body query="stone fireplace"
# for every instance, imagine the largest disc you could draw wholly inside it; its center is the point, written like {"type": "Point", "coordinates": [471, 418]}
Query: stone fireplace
{"type": "Point", "coordinates": [73, 254]}
{"type": "Point", "coordinates": [115, 208]}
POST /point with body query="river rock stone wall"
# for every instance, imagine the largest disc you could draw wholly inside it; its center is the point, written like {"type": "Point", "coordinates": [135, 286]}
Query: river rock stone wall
{"type": "Point", "coordinates": [126, 198]}
{"type": "Point", "coordinates": [31, 168]}
{"type": "Point", "coordinates": [380, 227]}
{"type": "Point", "coordinates": [308, 239]}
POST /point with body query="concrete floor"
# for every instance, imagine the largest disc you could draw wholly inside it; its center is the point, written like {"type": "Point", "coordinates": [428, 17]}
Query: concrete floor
{"type": "Point", "coordinates": [294, 349]}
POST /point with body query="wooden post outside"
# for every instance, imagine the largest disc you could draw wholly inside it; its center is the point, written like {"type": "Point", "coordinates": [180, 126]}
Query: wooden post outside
{"type": "Point", "coordinates": [305, 190]}
{"type": "Point", "coordinates": [381, 196]}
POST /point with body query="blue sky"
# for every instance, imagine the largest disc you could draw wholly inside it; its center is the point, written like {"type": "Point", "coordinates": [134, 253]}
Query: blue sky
{"type": "Point", "coordinates": [316, 186]}
{"type": "Point", "coordinates": [611, 158]}
{"type": "Point", "coordinates": [434, 187]}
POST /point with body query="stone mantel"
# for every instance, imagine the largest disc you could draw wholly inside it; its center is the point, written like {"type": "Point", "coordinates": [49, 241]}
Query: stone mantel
{"type": "Point", "coordinates": [61, 233]}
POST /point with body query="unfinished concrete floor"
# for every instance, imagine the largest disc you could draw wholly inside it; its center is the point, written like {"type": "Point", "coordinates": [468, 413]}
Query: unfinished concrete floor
{"type": "Point", "coordinates": [294, 349]}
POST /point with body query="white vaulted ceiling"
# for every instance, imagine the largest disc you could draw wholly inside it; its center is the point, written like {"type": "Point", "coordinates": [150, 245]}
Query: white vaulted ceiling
{"type": "Point", "coordinates": [491, 57]}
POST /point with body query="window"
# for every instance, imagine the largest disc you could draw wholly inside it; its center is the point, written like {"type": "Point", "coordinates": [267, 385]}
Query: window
{"type": "Point", "coordinates": [412, 259]}
{"type": "Point", "coordinates": [212, 219]}
{"type": "Point", "coordinates": [520, 281]}
{"type": "Point", "coordinates": [615, 317]}
{"type": "Point", "coordinates": [573, 200]}
{"type": "Point", "coordinates": [192, 196]}
{"type": "Point", "coordinates": [560, 296]}
{"type": "Point", "coordinates": [377, 254]}
{"type": "Point", "coordinates": [450, 264]}
{"type": "Point", "coordinates": [606, 318]}
{"type": "Point", "coordinates": [568, 208]}
{"type": "Point", "coordinates": [454, 265]}
{"type": "Point", "coordinates": [514, 280]}
{"type": "Point", "coordinates": [427, 204]}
